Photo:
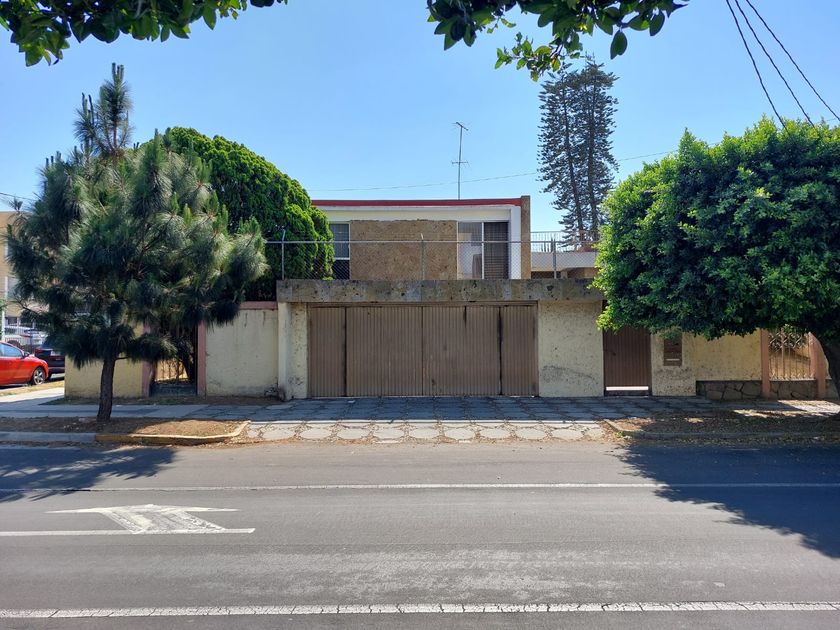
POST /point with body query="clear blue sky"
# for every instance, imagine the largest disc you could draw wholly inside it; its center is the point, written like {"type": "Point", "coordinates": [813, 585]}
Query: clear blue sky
{"type": "Point", "coordinates": [355, 95]}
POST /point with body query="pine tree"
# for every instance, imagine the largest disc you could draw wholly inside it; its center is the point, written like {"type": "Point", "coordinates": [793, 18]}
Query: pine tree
{"type": "Point", "coordinates": [124, 247]}
{"type": "Point", "coordinates": [576, 160]}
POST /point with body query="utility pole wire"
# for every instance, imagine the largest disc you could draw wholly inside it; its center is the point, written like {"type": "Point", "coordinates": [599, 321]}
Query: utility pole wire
{"type": "Point", "coordinates": [461, 130]}
{"type": "Point", "coordinates": [789, 56]}
{"type": "Point", "coordinates": [773, 63]}
{"type": "Point", "coordinates": [755, 66]}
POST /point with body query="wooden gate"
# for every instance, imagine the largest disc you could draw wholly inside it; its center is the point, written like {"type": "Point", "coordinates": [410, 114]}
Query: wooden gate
{"type": "Point", "coordinates": [430, 350]}
{"type": "Point", "coordinates": [627, 367]}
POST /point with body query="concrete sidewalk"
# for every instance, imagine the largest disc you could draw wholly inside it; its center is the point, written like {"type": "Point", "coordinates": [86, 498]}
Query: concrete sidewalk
{"type": "Point", "coordinates": [420, 410]}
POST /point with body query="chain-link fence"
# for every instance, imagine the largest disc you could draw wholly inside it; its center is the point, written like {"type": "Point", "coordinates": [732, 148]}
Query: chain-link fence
{"type": "Point", "coordinates": [426, 259]}
{"type": "Point", "coordinates": [404, 260]}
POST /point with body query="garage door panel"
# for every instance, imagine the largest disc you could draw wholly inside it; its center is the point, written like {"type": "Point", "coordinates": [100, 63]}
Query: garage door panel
{"type": "Point", "coordinates": [384, 351]}
{"type": "Point", "coordinates": [519, 350]}
{"type": "Point", "coordinates": [326, 352]}
{"type": "Point", "coordinates": [446, 350]}
{"type": "Point", "coordinates": [461, 350]}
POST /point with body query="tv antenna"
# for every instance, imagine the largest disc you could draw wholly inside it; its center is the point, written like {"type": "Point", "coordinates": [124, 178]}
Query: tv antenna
{"type": "Point", "coordinates": [461, 130]}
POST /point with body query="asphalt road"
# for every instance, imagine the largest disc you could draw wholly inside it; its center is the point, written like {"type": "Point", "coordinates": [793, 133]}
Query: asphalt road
{"type": "Point", "coordinates": [449, 536]}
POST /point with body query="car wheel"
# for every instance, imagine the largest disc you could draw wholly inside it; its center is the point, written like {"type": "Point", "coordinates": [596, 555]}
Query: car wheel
{"type": "Point", "coordinates": [39, 376]}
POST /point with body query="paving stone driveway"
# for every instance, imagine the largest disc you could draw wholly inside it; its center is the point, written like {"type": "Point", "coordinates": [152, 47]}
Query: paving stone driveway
{"type": "Point", "coordinates": [395, 431]}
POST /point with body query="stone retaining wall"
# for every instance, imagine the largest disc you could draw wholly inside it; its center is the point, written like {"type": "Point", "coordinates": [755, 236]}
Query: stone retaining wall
{"type": "Point", "coordinates": [747, 390]}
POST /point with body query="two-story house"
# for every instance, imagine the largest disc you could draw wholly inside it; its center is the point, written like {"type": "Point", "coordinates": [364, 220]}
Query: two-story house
{"type": "Point", "coordinates": [446, 298]}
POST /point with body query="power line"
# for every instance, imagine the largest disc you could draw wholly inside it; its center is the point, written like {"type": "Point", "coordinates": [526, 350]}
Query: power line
{"type": "Point", "coordinates": [467, 181]}
{"type": "Point", "coordinates": [425, 185]}
{"type": "Point", "coordinates": [789, 56]}
{"type": "Point", "coordinates": [773, 63]}
{"type": "Point", "coordinates": [10, 195]}
{"type": "Point", "coordinates": [754, 64]}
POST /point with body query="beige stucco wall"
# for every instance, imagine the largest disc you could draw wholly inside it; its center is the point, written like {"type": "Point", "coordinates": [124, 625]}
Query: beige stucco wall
{"type": "Point", "coordinates": [670, 380]}
{"type": "Point", "coordinates": [242, 355]}
{"type": "Point", "coordinates": [570, 349]}
{"type": "Point", "coordinates": [401, 261]}
{"type": "Point", "coordinates": [292, 333]}
{"type": "Point", "coordinates": [728, 358]}
{"type": "Point", "coordinates": [84, 382]}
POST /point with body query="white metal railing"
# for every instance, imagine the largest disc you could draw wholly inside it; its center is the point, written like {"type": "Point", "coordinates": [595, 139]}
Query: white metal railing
{"type": "Point", "coordinates": [561, 242]}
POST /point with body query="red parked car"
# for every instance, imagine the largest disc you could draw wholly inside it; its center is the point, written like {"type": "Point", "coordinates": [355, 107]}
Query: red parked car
{"type": "Point", "coordinates": [17, 366]}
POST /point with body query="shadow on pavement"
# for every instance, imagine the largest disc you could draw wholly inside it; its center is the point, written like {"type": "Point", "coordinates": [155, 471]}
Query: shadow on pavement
{"type": "Point", "coordinates": [37, 473]}
{"type": "Point", "coordinates": [700, 475]}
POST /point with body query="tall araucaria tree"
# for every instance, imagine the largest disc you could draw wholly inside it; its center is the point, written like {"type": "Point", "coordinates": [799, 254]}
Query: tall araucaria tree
{"type": "Point", "coordinates": [726, 239]}
{"type": "Point", "coordinates": [125, 246]}
{"type": "Point", "coordinates": [576, 160]}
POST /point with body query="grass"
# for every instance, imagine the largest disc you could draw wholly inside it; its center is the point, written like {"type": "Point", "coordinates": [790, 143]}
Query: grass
{"type": "Point", "coordinates": [258, 401]}
{"type": "Point", "coordinates": [143, 426]}
{"type": "Point", "coordinates": [11, 390]}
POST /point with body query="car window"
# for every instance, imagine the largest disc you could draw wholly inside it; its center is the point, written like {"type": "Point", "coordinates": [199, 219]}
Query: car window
{"type": "Point", "coordinates": [10, 351]}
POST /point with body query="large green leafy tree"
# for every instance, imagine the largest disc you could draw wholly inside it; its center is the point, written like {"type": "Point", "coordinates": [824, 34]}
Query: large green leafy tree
{"type": "Point", "coordinates": [42, 30]}
{"type": "Point", "coordinates": [729, 238]}
{"type": "Point", "coordinates": [125, 247]}
{"type": "Point", "coordinates": [252, 188]}
{"type": "Point", "coordinates": [576, 160]}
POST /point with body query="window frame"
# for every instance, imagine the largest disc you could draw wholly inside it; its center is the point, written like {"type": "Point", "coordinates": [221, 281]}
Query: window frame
{"type": "Point", "coordinates": [483, 243]}
{"type": "Point", "coordinates": [341, 241]}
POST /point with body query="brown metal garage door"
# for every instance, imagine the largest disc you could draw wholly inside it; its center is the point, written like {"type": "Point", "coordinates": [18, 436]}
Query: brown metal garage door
{"type": "Point", "coordinates": [468, 350]}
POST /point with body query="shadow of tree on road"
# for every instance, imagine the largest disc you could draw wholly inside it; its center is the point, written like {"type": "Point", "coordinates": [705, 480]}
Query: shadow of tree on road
{"type": "Point", "coordinates": [700, 475]}
{"type": "Point", "coordinates": [37, 473]}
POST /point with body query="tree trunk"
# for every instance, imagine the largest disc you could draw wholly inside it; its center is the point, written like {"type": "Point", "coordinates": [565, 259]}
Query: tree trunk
{"type": "Point", "coordinates": [831, 349]}
{"type": "Point", "coordinates": [590, 165]}
{"type": "Point", "coordinates": [106, 390]}
{"type": "Point", "coordinates": [573, 180]}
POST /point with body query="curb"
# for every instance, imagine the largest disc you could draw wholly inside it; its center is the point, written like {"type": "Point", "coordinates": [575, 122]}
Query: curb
{"type": "Point", "coordinates": [179, 440]}
{"type": "Point", "coordinates": [43, 437]}
{"type": "Point", "coordinates": [660, 435]}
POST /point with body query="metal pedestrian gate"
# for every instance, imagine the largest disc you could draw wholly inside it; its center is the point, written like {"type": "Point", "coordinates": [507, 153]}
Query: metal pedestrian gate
{"type": "Point", "coordinates": [627, 366]}
{"type": "Point", "coordinates": [423, 350]}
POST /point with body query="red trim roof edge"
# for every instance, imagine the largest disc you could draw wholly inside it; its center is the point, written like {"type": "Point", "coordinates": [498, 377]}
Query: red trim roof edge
{"type": "Point", "coordinates": [356, 203]}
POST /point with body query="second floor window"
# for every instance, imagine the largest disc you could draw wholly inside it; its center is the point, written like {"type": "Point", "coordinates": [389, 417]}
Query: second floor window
{"type": "Point", "coordinates": [480, 256]}
{"type": "Point", "coordinates": [341, 247]}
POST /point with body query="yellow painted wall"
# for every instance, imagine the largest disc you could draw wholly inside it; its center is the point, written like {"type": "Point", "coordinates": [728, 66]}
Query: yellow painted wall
{"type": "Point", "coordinates": [570, 349]}
{"type": "Point", "coordinates": [292, 331]}
{"type": "Point", "coordinates": [670, 380]}
{"type": "Point", "coordinates": [729, 358]}
{"type": "Point", "coordinates": [84, 382]}
{"type": "Point", "coordinates": [242, 355]}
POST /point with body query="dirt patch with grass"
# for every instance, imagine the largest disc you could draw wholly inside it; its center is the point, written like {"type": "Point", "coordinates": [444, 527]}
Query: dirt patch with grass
{"type": "Point", "coordinates": [743, 425]}
{"type": "Point", "coordinates": [173, 400]}
{"type": "Point", "coordinates": [198, 428]}
{"type": "Point", "coordinates": [25, 389]}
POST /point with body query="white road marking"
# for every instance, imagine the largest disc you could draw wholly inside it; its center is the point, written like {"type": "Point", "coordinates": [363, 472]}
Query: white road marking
{"type": "Point", "coordinates": [116, 532]}
{"type": "Point", "coordinates": [142, 519]}
{"type": "Point", "coordinates": [432, 486]}
{"type": "Point", "coordinates": [421, 609]}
